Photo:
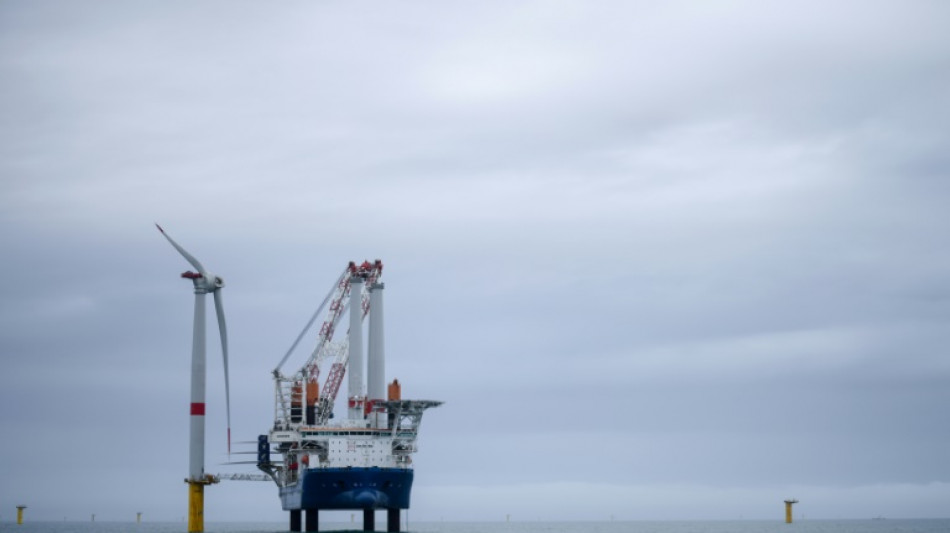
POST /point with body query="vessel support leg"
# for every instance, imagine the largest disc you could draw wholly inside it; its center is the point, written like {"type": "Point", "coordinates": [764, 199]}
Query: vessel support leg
{"type": "Point", "coordinates": [295, 520]}
{"type": "Point", "coordinates": [369, 519]}
{"type": "Point", "coordinates": [312, 520]}
{"type": "Point", "coordinates": [392, 520]}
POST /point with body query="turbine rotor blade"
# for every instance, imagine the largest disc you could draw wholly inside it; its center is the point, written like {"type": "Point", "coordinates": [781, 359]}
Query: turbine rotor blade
{"type": "Point", "coordinates": [188, 257]}
{"type": "Point", "coordinates": [223, 328]}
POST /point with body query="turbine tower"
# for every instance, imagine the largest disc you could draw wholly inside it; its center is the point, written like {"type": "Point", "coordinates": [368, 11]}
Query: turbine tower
{"type": "Point", "coordinates": [204, 283]}
{"type": "Point", "coordinates": [788, 509]}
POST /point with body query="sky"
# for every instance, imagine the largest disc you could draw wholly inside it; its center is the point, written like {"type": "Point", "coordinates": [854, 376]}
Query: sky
{"type": "Point", "coordinates": [661, 260]}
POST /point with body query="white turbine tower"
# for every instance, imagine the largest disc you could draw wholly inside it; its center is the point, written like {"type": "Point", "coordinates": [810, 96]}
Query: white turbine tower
{"type": "Point", "coordinates": [204, 283]}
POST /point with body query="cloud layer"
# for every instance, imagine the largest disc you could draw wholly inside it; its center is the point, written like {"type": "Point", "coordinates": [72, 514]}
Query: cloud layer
{"type": "Point", "coordinates": [643, 251]}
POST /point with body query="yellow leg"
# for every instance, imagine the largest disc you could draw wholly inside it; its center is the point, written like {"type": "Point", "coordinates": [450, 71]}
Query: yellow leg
{"type": "Point", "coordinates": [196, 507]}
{"type": "Point", "coordinates": [19, 515]}
{"type": "Point", "coordinates": [788, 513]}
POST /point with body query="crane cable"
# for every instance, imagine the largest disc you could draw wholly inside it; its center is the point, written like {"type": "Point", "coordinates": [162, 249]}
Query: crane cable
{"type": "Point", "coordinates": [310, 323]}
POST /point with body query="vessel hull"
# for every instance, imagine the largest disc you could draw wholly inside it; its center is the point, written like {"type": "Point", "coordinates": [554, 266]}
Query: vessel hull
{"type": "Point", "coordinates": [349, 488]}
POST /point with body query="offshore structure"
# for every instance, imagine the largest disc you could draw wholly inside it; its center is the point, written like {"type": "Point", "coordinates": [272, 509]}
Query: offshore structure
{"type": "Point", "coordinates": [788, 509]}
{"type": "Point", "coordinates": [363, 461]}
{"type": "Point", "coordinates": [204, 283]}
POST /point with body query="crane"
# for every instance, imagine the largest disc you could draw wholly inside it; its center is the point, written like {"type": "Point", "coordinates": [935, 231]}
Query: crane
{"type": "Point", "coordinates": [292, 392]}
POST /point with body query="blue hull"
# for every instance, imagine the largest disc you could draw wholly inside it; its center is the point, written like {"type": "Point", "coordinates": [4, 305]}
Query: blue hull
{"type": "Point", "coordinates": [349, 488]}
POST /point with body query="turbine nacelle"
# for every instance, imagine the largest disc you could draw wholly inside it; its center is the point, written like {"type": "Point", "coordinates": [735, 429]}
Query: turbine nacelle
{"type": "Point", "coordinates": [201, 281]}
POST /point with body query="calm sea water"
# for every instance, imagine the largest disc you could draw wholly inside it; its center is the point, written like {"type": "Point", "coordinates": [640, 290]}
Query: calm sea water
{"type": "Point", "coordinates": [745, 526]}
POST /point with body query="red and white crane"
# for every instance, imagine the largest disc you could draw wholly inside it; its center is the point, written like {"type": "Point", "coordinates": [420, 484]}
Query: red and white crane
{"type": "Point", "coordinates": [298, 398]}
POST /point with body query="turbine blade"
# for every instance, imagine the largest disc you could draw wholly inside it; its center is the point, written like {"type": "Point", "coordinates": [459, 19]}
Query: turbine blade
{"type": "Point", "coordinates": [223, 328]}
{"type": "Point", "coordinates": [247, 453]}
{"type": "Point", "coordinates": [188, 257]}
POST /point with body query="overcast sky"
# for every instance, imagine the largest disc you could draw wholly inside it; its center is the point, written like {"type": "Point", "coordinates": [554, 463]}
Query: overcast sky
{"type": "Point", "coordinates": [661, 260]}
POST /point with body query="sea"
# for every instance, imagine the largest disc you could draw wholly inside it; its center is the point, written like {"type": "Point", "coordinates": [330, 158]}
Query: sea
{"type": "Point", "coordinates": [743, 526]}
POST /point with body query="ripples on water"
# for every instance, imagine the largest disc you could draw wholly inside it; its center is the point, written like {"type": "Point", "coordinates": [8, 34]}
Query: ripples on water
{"type": "Point", "coordinates": [745, 526]}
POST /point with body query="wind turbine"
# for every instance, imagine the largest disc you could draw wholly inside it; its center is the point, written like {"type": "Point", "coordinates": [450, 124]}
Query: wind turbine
{"type": "Point", "coordinates": [204, 283]}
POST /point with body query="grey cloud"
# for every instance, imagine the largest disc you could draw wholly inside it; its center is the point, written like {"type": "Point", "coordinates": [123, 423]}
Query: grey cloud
{"type": "Point", "coordinates": [695, 238]}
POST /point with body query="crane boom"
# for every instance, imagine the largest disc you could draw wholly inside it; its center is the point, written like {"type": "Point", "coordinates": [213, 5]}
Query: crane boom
{"type": "Point", "coordinates": [313, 319]}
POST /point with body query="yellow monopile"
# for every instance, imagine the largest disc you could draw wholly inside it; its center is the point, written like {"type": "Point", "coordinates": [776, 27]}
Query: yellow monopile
{"type": "Point", "coordinates": [788, 510]}
{"type": "Point", "coordinates": [196, 507]}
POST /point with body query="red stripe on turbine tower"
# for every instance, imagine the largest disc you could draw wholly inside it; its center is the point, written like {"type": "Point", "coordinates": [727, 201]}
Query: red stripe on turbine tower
{"type": "Point", "coordinates": [198, 408]}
